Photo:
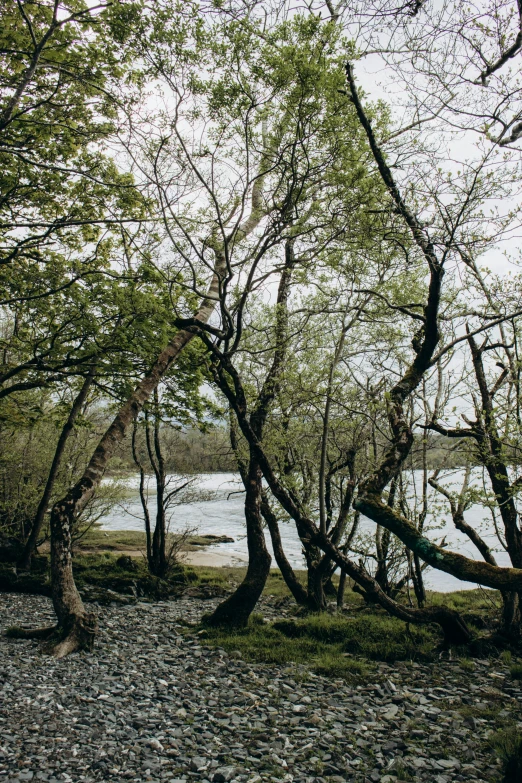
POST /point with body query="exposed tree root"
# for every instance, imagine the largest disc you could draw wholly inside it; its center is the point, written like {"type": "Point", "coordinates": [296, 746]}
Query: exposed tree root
{"type": "Point", "coordinates": [79, 634]}
{"type": "Point", "coordinates": [59, 641]}
{"type": "Point", "coordinates": [15, 632]}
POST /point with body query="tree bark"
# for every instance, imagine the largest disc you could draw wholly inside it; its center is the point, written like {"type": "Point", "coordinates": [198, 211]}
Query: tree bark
{"type": "Point", "coordinates": [316, 577]}
{"type": "Point", "coordinates": [143, 498]}
{"type": "Point", "coordinates": [511, 616]}
{"type": "Point", "coordinates": [237, 608]}
{"type": "Point", "coordinates": [287, 572]}
{"type": "Point", "coordinates": [340, 590]}
{"type": "Point", "coordinates": [30, 546]}
{"type": "Point", "coordinates": [157, 560]}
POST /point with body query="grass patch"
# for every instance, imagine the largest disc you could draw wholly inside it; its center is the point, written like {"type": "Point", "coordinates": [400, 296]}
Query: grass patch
{"type": "Point", "coordinates": [489, 710]}
{"type": "Point", "coordinates": [229, 578]}
{"type": "Point", "coordinates": [331, 645]}
{"type": "Point", "coordinates": [467, 664]}
{"type": "Point", "coordinates": [507, 743]}
{"type": "Point", "coordinates": [265, 643]}
{"type": "Point", "coordinates": [102, 571]}
{"type": "Point", "coordinates": [105, 572]}
{"type": "Point", "coordinates": [375, 636]}
{"type": "Point", "coordinates": [112, 540]}
{"type": "Point", "coordinates": [124, 541]}
{"type": "Point", "coordinates": [516, 671]}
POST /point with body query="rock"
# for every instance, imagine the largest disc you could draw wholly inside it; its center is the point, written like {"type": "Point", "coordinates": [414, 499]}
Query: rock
{"type": "Point", "coordinates": [391, 712]}
{"type": "Point", "coordinates": [157, 702]}
{"type": "Point", "coordinates": [223, 774]}
{"type": "Point", "coordinates": [209, 539]}
{"type": "Point", "coordinates": [104, 596]}
{"type": "Point", "coordinates": [448, 763]}
{"type": "Point", "coordinates": [205, 591]}
{"type": "Point", "coordinates": [199, 764]}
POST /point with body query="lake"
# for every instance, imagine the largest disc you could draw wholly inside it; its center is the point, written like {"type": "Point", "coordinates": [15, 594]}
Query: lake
{"type": "Point", "coordinates": [223, 514]}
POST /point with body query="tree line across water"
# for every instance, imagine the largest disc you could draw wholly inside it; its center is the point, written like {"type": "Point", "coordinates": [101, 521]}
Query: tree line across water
{"type": "Point", "coordinates": [203, 215]}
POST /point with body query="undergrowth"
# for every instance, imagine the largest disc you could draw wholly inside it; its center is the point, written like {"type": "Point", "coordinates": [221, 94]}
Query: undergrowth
{"type": "Point", "coordinates": [264, 643]}
{"type": "Point", "coordinates": [507, 743]}
{"type": "Point", "coordinates": [330, 644]}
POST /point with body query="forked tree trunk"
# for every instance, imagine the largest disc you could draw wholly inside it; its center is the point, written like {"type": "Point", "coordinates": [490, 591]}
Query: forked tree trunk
{"type": "Point", "coordinates": [31, 543]}
{"type": "Point", "coordinates": [237, 608]}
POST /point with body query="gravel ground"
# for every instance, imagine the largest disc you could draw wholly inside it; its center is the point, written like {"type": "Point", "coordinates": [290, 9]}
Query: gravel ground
{"type": "Point", "coordinates": [155, 704]}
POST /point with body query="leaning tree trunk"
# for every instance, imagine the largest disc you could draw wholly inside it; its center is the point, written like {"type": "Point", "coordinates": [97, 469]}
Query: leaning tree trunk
{"type": "Point", "coordinates": [76, 627]}
{"type": "Point", "coordinates": [238, 607]}
{"type": "Point", "coordinates": [30, 547]}
{"type": "Point", "coordinates": [287, 572]}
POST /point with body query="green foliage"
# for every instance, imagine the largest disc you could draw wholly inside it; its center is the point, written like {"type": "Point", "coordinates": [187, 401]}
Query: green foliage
{"type": "Point", "coordinates": [28, 442]}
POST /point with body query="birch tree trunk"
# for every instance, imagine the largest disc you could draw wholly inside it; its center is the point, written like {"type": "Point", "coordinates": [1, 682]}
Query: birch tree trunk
{"type": "Point", "coordinates": [76, 628]}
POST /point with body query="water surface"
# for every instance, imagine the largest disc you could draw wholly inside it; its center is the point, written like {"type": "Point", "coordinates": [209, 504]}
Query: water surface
{"type": "Point", "coordinates": [223, 514]}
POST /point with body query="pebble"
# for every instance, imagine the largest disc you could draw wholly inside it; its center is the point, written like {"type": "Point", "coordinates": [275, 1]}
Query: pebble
{"type": "Point", "coordinates": [154, 704]}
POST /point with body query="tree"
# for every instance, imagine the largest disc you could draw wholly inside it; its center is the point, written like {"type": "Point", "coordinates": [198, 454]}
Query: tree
{"type": "Point", "coordinates": [170, 490]}
{"type": "Point", "coordinates": [229, 378]}
{"type": "Point", "coordinates": [224, 236]}
{"type": "Point", "coordinates": [449, 220]}
{"type": "Point", "coordinates": [62, 227]}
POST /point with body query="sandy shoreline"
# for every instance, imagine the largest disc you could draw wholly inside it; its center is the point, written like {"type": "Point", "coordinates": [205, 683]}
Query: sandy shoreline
{"type": "Point", "coordinates": [207, 557]}
{"type": "Point", "coordinates": [195, 557]}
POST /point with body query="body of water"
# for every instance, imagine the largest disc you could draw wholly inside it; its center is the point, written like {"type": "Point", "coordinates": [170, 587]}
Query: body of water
{"type": "Point", "coordinates": [223, 514]}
